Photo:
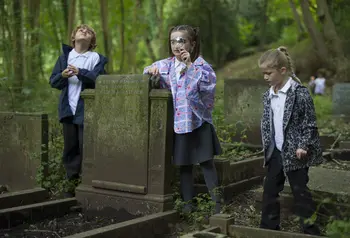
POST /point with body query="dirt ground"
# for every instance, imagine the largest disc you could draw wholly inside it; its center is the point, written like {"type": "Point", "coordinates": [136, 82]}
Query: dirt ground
{"type": "Point", "coordinates": [64, 226]}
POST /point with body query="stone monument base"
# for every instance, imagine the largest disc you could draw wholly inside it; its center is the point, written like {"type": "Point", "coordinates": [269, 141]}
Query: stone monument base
{"type": "Point", "coordinates": [136, 204]}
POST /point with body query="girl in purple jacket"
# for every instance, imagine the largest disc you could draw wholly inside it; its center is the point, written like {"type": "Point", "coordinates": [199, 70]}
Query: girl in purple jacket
{"type": "Point", "coordinates": [192, 83]}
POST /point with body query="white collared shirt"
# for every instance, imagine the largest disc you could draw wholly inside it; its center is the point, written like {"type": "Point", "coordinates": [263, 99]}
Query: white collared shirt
{"type": "Point", "coordinates": [277, 106]}
{"type": "Point", "coordinates": [88, 61]}
{"type": "Point", "coordinates": [178, 67]}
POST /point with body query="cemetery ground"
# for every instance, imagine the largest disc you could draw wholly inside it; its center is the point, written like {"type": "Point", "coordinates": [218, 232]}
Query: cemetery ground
{"type": "Point", "coordinates": [122, 210]}
{"type": "Point", "coordinates": [69, 220]}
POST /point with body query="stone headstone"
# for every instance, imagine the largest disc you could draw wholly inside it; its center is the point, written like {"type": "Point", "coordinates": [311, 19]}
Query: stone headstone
{"type": "Point", "coordinates": [127, 145]}
{"type": "Point", "coordinates": [23, 147]}
{"type": "Point", "coordinates": [243, 107]}
{"type": "Point", "coordinates": [121, 115]}
{"type": "Point", "coordinates": [341, 100]}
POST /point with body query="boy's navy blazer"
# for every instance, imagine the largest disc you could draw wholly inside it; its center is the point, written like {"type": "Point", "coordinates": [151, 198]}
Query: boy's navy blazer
{"type": "Point", "coordinates": [87, 77]}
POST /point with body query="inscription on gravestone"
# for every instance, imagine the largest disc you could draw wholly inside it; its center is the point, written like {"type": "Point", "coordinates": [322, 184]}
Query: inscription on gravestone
{"type": "Point", "coordinates": [121, 116]}
{"type": "Point", "coordinates": [341, 99]}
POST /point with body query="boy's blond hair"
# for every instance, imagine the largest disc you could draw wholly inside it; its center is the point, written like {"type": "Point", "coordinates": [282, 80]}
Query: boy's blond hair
{"type": "Point", "coordinates": [91, 30]}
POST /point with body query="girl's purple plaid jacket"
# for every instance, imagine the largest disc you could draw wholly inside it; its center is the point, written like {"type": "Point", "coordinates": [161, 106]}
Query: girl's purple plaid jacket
{"type": "Point", "coordinates": [193, 94]}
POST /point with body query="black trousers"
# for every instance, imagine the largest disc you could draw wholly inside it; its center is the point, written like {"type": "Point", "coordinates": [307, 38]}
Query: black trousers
{"type": "Point", "coordinates": [274, 184]}
{"type": "Point", "coordinates": [211, 180]}
{"type": "Point", "coordinates": [73, 149]}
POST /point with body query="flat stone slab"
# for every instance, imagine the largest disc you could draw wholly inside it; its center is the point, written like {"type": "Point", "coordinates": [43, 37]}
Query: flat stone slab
{"type": "Point", "coordinates": [24, 197]}
{"type": "Point", "coordinates": [155, 225]}
{"type": "Point", "coordinates": [11, 217]}
{"type": "Point", "coordinates": [203, 234]}
{"type": "Point", "coordinates": [328, 181]}
{"type": "Point", "coordinates": [30, 233]}
{"type": "Point", "coordinates": [252, 232]}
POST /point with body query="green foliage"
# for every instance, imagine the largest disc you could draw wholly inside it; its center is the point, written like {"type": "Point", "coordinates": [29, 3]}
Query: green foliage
{"type": "Point", "coordinates": [288, 36]}
{"type": "Point", "coordinates": [338, 229]}
{"type": "Point", "coordinates": [323, 108]}
{"type": "Point", "coordinates": [54, 180]}
{"type": "Point", "coordinates": [218, 26]}
{"type": "Point", "coordinates": [204, 206]}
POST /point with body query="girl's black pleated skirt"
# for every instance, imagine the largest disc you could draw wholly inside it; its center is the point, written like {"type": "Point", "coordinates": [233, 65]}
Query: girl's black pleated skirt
{"type": "Point", "coordinates": [197, 146]}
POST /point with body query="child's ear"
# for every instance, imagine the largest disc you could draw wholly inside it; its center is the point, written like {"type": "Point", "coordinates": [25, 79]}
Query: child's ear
{"type": "Point", "coordinates": [283, 70]}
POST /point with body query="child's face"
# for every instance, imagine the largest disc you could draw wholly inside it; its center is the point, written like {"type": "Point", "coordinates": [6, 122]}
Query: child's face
{"type": "Point", "coordinates": [83, 34]}
{"type": "Point", "coordinates": [274, 76]}
{"type": "Point", "coordinates": [180, 40]}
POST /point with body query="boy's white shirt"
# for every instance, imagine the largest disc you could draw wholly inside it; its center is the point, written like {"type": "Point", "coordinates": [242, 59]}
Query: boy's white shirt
{"type": "Point", "coordinates": [87, 60]}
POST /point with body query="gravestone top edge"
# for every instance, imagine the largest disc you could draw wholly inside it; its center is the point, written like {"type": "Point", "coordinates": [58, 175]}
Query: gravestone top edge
{"type": "Point", "coordinates": [118, 76]}
{"type": "Point", "coordinates": [160, 93]}
{"type": "Point", "coordinates": [88, 93]}
{"type": "Point", "coordinates": [31, 114]}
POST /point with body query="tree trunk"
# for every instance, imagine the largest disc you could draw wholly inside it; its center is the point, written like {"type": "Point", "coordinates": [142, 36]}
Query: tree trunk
{"type": "Point", "coordinates": [105, 30]}
{"type": "Point", "coordinates": [161, 36]}
{"type": "Point", "coordinates": [34, 46]}
{"type": "Point", "coordinates": [263, 26]}
{"type": "Point", "coordinates": [6, 39]}
{"type": "Point", "coordinates": [301, 30]}
{"type": "Point", "coordinates": [150, 49]}
{"type": "Point", "coordinates": [18, 57]}
{"type": "Point", "coordinates": [81, 12]}
{"type": "Point", "coordinates": [71, 19]}
{"type": "Point", "coordinates": [329, 31]}
{"type": "Point", "coordinates": [316, 36]}
{"type": "Point", "coordinates": [133, 40]}
{"type": "Point", "coordinates": [122, 37]}
{"type": "Point", "coordinates": [64, 5]}
{"type": "Point", "coordinates": [57, 35]}
{"type": "Point", "coordinates": [333, 42]}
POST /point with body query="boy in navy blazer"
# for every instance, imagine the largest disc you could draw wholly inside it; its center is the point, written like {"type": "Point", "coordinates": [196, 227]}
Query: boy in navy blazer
{"type": "Point", "coordinates": [75, 70]}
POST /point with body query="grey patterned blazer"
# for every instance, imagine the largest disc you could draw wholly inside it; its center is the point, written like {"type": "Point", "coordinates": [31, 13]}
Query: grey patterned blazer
{"type": "Point", "coordinates": [299, 126]}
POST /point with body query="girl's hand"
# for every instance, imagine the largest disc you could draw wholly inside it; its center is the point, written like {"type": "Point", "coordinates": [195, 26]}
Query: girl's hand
{"type": "Point", "coordinates": [185, 57]}
{"type": "Point", "coordinates": [153, 71]}
{"type": "Point", "coordinates": [301, 153]}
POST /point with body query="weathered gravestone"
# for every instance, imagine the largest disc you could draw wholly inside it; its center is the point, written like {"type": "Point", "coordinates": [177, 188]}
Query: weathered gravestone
{"type": "Point", "coordinates": [127, 146]}
{"type": "Point", "coordinates": [341, 100]}
{"type": "Point", "coordinates": [23, 148]}
{"type": "Point", "coordinates": [243, 107]}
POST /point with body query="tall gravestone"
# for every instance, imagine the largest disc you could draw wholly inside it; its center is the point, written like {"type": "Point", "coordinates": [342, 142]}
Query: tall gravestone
{"type": "Point", "coordinates": [127, 146]}
{"type": "Point", "coordinates": [243, 107]}
{"type": "Point", "coordinates": [341, 100]}
{"type": "Point", "coordinates": [23, 148]}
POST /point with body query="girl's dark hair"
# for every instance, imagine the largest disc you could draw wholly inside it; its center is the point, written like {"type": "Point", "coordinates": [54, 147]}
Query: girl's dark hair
{"type": "Point", "coordinates": [193, 34]}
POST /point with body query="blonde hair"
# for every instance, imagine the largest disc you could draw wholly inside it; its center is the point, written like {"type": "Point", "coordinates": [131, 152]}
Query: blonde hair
{"type": "Point", "coordinates": [91, 30]}
{"type": "Point", "coordinates": [278, 58]}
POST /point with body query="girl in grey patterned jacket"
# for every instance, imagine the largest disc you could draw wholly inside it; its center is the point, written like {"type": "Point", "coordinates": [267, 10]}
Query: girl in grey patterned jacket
{"type": "Point", "coordinates": [290, 139]}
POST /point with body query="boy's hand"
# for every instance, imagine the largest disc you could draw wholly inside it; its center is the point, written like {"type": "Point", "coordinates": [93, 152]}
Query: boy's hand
{"type": "Point", "coordinates": [153, 71]}
{"type": "Point", "coordinates": [66, 73]}
{"type": "Point", "coordinates": [75, 70]}
{"type": "Point", "coordinates": [301, 153]}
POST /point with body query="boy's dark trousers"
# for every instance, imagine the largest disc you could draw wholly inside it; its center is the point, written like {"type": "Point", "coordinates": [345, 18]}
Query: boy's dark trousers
{"type": "Point", "coordinates": [73, 150]}
{"type": "Point", "coordinates": [211, 180]}
{"type": "Point", "coordinates": [274, 184]}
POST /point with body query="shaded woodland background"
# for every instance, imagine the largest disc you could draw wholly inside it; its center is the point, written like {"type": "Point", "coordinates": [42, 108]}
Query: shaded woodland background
{"type": "Point", "coordinates": [134, 33]}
